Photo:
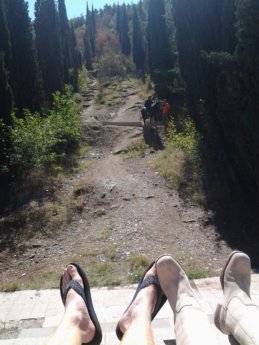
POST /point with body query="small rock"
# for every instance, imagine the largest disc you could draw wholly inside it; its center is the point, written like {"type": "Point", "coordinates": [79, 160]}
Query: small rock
{"type": "Point", "coordinates": [189, 220]}
{"type": "Point", "coordinates": [126, 198]}
{"type": "Point", "coordinates": [114, 206]}
{"type": "Point", "coordinates": [36, 245]}
{"type": "Point", "coordinates": [149, 197]}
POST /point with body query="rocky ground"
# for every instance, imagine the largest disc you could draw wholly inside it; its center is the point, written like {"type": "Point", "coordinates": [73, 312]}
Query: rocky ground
{"type": "Point", "coordinates": [128, 214]}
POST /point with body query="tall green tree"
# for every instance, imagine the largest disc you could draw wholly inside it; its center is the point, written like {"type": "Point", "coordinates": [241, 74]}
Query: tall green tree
{"type": "Point", "coordinates": [159, 47]}
{"type": "Point", "coordinates": [49, 46]}
{"type": "Point", "coordinates": [65, 39]}
{"type": "Point", "coordinates": [25, 77]}
{"type": "Point", "coordinates": [76, 59]}
{"type": "Point", "coordinates": [91, 27]}
{"type": "Point", "coordinates": [5, 42]}
{"type": "Point", "coordinates": [122, 25]}
{"type": "Point", "coordinates": [87, 49]}
{"type": "Point", "coordinates": [138, 48]}
{"type": "Point", "coordinates": [6, 94]}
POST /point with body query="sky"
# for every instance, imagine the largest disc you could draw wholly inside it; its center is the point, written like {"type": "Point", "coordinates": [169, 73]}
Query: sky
{"type": "Point", "coordinates": [77, 7]}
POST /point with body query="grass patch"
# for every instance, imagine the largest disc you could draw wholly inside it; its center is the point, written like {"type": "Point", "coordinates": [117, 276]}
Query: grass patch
{"type": "Point", "coordinates": [109, 94]}
{"type": "Point", "coordinates": [102, 233]}
{"type": "Point", "coordinates": [44, 279]}
{"type": "Point", "coordinates": [10, 287]}
{"type": "Point", "coordinates": [110, 252]}
{"type": "Point", "coordinates": [104, 274]}
{"type": "Point", "coordinates": [83, 80]}
{"type": "Point", "coordinates": [137, 149]}
{"type": "Point", "coordinates": [35, 217]}
{"type": "Point", "coordinates": [142, 89]}
{"type": "Point", "coordinates": [194, 273]}
{"type": "Point", "coordinates": [137, 265]}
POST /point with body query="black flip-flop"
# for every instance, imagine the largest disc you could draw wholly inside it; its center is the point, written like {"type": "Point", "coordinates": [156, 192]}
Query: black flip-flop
{"type": "Point", "coordinates": [85, 293]}
{"type": "Point", "coordinates": [161, 298]}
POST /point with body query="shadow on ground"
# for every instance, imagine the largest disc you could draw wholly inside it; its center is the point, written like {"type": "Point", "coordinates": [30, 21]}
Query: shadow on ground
{"type": "Point", "coordinates": [152, 137]}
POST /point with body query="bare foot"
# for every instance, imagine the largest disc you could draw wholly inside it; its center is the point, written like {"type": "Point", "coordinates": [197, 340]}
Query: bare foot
{"type": "Point", "coordinates": [142, 306]}
{"type": "Point", "coordinates": [76, 311]}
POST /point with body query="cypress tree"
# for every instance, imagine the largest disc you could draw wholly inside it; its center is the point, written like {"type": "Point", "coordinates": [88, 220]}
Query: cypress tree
{"type": "Point", "coordinates": [122, 25]}
{"type": "Point", "coordinates": [5, 43]}
{"type": "Point", "coordinates": [65, 37]}
{"type": "Point", "coordinates": [48, 46]}
{"type": "Point", "coordinates": [159, 47]}
{"type": "Point", "coordinates": [6, 94]}
{"type": "Point", "coordinates": [228, 34]}
{"type": "Point", "coordinates": [91, 27]}
{"type": "Point", "coordinates": [138, 51]}
{"type": "Point", "coordinates": [87, 43]}
{"type": "Point", "coordinates": [93, 20]}
{"type": "Point", "coordinates": [76, 59]}
{"type": "Point", "coordinates": [25, 76]}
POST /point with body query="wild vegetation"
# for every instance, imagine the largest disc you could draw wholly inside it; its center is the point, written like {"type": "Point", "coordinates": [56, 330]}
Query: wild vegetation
{"type": "Point", "coordinates": [180, 162]}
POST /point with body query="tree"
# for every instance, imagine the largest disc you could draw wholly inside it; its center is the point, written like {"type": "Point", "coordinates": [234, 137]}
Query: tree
{"type": "Point", "coordinates": [91, 26]}
{"type": "Point", "coordinates": [138, 50]}
{"type": "Point", "coordinates": [5, 42]}
{"type": "Point", "coordinates": [76, 59]}
{"type": "Point", "coordinates": [123, 29]}
{"type": "Point", "coordinates": [48, 46]}
{"type": "Point", "coordinates": [65, 37]}
{"type": "Point", "coordinates": [87, 49]}
{"type": "Point", "coordinates": [159, 47]}
{"type": "Point", "coordinates": [6, 94]}
{"type": "Point", "coordinates": [25, 77]}
{"type": "Point", "coordinates": [89, 38]}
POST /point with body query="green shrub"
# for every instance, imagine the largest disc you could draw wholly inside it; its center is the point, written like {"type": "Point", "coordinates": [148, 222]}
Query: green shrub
{"type": "Point", "coordinates": [180, 162]}
{"type": "Point", "coordinates": [187, 139]}
{"type": "Point", "coordinates": [82, 80]}
{"type": "Point", "coordinates": [43, 141]}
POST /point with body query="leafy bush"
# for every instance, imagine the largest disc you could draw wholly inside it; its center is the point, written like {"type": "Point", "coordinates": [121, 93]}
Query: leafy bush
{"type": "Point", "coordinates": [83, 79]}
{"type": "Point", "coordinates": [187, 139]}
{"type": "Point", "coordinates": [180, 162]}
{"type": "Point", "coordinates": [111, 65]}
{"type": "Point", "coordinates": [42, 141]}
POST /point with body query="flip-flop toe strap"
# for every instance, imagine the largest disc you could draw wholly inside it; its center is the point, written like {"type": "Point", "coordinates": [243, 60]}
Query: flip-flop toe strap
{"type": "Point", "coordinates": [151, 280]}
{"type": "Point", "coordinates": [75, 286]}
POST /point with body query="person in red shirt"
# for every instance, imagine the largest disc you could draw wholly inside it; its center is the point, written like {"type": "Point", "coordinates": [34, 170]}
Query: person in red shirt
{"type": "Point", "coordinates": [165, 113]}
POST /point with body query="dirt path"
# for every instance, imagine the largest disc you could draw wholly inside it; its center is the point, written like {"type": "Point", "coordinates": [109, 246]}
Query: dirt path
{"type": "Point", "coordinates": [128, 214]}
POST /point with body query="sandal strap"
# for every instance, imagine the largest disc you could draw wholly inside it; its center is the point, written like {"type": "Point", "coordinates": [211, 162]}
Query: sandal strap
{"type": "Point", "coordinates": [151, 280]}
{"type": "Point", "coordinates": [76, 287]}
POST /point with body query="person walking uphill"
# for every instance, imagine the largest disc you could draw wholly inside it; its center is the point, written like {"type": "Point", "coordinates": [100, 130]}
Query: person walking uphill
{"type": "Point", "coordinates": [165, 113]}
{"type": "Point", "coordinates": [148, 103]}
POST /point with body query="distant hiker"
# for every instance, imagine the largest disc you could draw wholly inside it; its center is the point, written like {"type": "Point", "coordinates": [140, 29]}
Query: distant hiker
{"type": "Point", "coordinates": [165, 113]}
{"type": "Point", "coordinates": [148, 103]}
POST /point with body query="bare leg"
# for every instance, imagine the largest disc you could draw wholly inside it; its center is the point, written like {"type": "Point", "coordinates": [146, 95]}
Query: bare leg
{"type": "Point", "coordinates": [136, 321]}
{"type": "Point", "coordinates": [76, 326]}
